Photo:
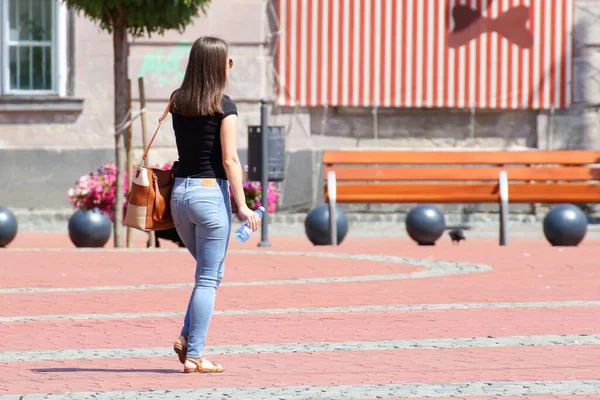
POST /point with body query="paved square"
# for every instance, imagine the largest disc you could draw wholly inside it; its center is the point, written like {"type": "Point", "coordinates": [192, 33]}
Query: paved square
{"type": "Point", "coordinates": [372, 318]}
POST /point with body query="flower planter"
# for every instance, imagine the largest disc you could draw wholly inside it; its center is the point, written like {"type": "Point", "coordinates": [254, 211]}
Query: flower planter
{"type": "Point", "coordinates": [90, 228]}
{"type": "Point", "coordinates": [96, 190]}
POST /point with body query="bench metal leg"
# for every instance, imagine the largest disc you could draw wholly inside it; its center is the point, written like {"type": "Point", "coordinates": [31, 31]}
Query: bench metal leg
{"type": "Point", "coordinates": [503, 186]}
{"type": "Point", "coordinates": [332, 192]}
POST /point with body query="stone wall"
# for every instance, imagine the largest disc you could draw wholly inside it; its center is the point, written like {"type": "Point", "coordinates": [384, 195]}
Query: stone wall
{"type": "Point", "coordinates": [39, 178]}
{"type": "Point", "coordinates": [579, 127]}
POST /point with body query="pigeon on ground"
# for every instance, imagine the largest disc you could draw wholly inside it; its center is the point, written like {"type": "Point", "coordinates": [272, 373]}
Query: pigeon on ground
{"type": "Point", "coordinates": [457, 235]}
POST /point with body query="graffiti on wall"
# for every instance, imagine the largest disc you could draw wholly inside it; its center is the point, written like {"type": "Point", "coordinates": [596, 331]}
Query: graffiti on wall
{"type": "Point", "coordinates": [165, 68]}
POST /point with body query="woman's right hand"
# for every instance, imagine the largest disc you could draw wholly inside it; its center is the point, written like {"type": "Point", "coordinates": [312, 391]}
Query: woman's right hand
{"type": "Point", "coordinates": [248, 215]}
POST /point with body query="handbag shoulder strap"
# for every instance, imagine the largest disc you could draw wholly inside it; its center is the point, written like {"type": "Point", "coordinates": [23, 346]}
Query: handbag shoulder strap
{"type": "Point", "coordinates": [160, 120]}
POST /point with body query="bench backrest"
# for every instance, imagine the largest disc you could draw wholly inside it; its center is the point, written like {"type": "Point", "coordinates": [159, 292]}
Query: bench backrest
{"type": "Point", "coordinates": [407, 176]}
{"type": "Point", "coordinates": [568, 165]}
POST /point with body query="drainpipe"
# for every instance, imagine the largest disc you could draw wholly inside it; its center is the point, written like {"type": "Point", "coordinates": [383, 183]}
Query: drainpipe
{"type": "Point", "coordinates": [71, 52]}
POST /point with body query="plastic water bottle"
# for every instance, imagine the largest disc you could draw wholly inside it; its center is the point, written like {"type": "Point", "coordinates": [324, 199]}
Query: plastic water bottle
{"type": "Point", "coordinates": [244, 231]}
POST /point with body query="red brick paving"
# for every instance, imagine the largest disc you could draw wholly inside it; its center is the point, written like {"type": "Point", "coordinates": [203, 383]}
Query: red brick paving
{"type": "Point", "coordinates": [61, 240]}
{"type": "Point", "coordinates": [114, 268]}
{"type": "Point", "coordinates": [291, 328]}
{"type": "Point", "coordinates": [526, 270]}
{"type": "Point", "coordinates": [385, 245]}
{"type": "Point", "coordinates": [541, 279]}
{"type": "Point", "coordinates": [325, 368]}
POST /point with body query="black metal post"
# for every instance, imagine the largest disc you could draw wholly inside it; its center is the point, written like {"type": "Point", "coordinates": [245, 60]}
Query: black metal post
{"type": "Point", "coordinates": [264, 174]}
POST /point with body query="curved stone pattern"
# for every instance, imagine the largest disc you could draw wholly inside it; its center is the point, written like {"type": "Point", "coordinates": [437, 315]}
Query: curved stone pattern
{"type": "Point", "coordinates": [282, 348]}
{"type": "Point", "coordinates": [311, 310]}
{"type": "Point", "coordinates": [432, 268]}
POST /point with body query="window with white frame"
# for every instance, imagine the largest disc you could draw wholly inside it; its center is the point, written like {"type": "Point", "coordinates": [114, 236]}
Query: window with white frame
{"type": "Point", "coordinates": [33, 47]}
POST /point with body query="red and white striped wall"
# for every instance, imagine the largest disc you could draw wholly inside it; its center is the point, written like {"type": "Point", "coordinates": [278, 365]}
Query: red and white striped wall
{"type": "Point", "coordinates": [394, 53]}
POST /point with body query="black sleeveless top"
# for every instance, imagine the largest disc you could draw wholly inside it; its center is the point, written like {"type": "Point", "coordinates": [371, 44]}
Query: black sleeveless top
{"type": "Point", "coordinates": [199, 143]}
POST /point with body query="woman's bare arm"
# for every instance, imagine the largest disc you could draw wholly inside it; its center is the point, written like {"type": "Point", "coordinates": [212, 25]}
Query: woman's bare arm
{"type": "Point", "coordinates": [233, 168]}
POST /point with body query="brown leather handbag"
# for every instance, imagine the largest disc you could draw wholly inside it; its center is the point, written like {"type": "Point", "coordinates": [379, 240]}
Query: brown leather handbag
{"type": "Point", "coordinates": [148, 201]}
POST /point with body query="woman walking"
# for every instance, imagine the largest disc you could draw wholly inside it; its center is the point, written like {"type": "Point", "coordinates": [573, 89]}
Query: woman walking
{"type": "Point", "coordinates": [205, 124]}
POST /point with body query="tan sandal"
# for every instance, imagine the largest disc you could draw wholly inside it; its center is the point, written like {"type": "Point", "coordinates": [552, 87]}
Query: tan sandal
{"type": "Point", "coordinates": [203, 365]}
{"type": "Point", "coordinates": [181, 348]}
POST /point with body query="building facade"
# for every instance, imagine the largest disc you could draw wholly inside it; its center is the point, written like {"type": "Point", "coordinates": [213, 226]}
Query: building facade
{"type": "Point", "coordinates": [338, 73]}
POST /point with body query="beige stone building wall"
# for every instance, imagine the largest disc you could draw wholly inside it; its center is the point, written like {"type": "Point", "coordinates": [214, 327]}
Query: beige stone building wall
{"type": "Point", "coordinates": [79, 127]}
{"type": "Point", "coordinates": [160, 60]}
{"type": "Point", "coordinates": [248, 25]}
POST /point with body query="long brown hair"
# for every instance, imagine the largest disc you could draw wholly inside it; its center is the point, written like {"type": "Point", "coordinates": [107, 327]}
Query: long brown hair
{"type": "Point", "coordinates": [205, 80]}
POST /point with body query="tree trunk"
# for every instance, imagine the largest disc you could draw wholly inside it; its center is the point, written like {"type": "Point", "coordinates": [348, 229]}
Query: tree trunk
{"type": "Point", "coordinates": [120, 80]}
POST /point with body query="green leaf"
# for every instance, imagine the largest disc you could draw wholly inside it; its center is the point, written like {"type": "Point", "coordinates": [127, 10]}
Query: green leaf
{"type": "Point", "coordinates": [142, 17]}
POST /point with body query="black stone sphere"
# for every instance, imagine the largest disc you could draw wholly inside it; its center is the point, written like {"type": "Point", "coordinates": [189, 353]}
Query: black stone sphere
{"type": "Point", "coordinates": [89, 228]}
{"type": "Point", "coordinates": [316, 225]}
{"type": "Point", "coordinates": [8, 226]}
{"type": "Point", "coordinates": [565, 225]}
{"type": "Point", "coordinates": [425, 224]}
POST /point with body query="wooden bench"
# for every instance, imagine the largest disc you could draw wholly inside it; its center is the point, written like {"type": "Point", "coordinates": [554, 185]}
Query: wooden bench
{"type": "Point", "coordinates": [400, 176]}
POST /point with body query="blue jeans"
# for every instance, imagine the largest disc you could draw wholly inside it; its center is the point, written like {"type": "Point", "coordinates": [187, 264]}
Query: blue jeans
{"type": "Point", "coordinates": [201, 210]}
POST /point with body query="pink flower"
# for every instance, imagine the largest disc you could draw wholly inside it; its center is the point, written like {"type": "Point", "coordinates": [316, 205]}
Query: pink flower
{"type": "Point", "coordinates": [253, 192]}
{"type": "Point", "coordinates": [96, 190]}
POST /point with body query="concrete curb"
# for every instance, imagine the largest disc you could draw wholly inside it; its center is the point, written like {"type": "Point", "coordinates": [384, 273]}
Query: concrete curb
{"type": "Point", "coordinates": [361, 223]}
